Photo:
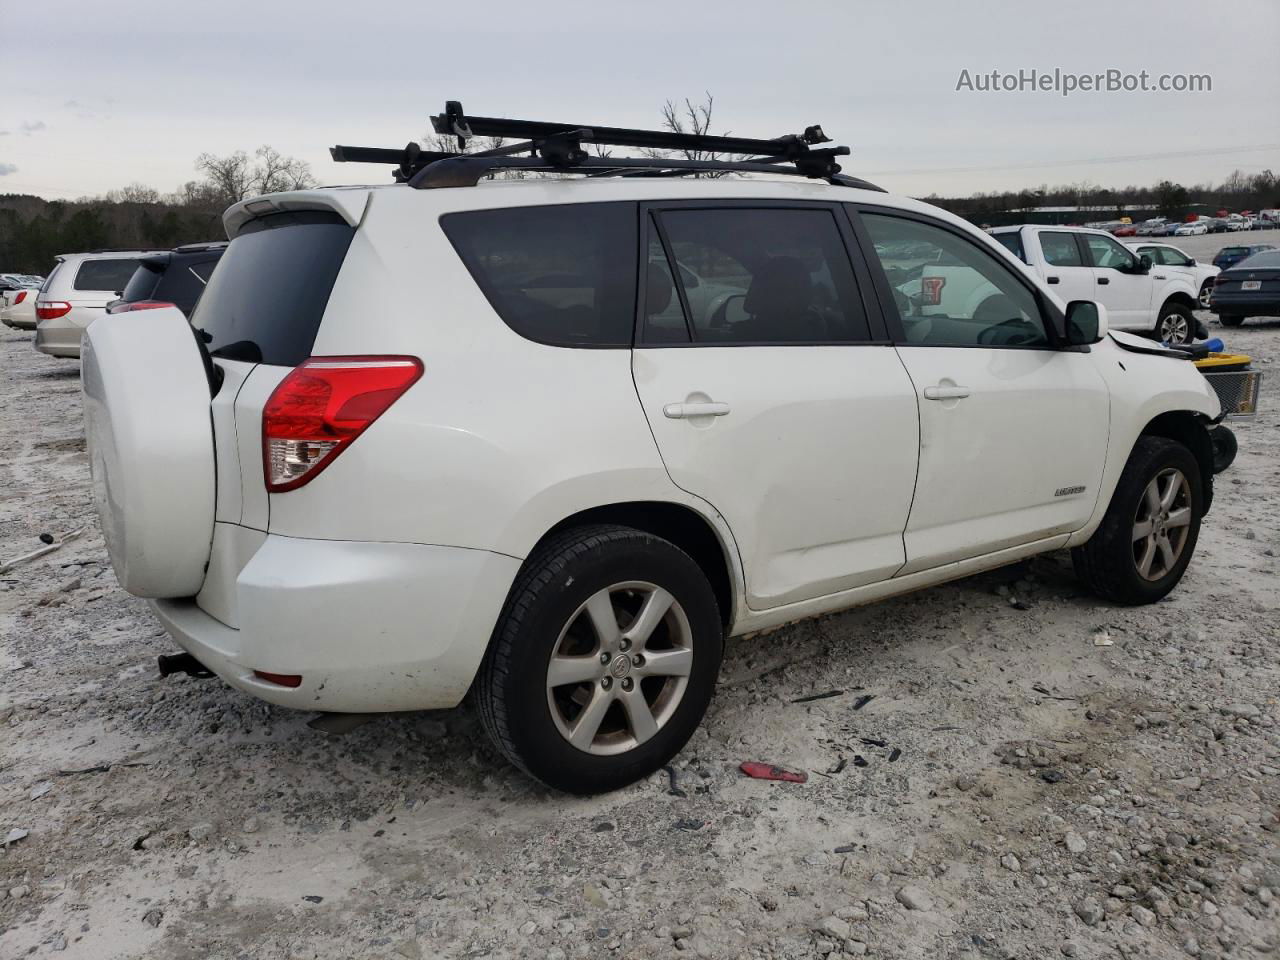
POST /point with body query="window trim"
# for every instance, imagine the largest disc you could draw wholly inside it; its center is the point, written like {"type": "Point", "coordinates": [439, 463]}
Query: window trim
{"type": "Point", "coordinates": [1083, 241]}
{"type": "Point", "coordinates": [1053, 320]}
{"type": "Point", "coordinates": [650, 226]}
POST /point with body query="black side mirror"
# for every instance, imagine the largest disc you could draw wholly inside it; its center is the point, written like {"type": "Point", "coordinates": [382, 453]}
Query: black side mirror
{"type": "Point", "coordinates": [1139, 266]}
{"type": "Point", "coordinates": [1084, 323]}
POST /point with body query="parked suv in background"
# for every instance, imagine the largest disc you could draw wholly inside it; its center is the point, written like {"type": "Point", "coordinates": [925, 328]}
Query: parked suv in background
{"type": "Point", "coordinates": [1228, 257]}
{"type": "Point", "coordinates": [1083, 264]}
{"type": "Point", "coordinates": [77, 293]}
{"type": "Point", "coordinates": [1166, 255]}
{"type": "Point", "coordinates": [173, 279]}
{"type": "Point", "coordinates": [446, 438]}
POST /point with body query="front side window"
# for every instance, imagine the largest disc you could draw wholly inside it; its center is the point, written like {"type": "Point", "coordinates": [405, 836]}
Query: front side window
{"type": "Point", "coordinates": [760, 276]}
{"type": "Point", "coordinates": [110, 275]}
{"type": "Point", "coordinates": [563, 275]}
{"type": "Point", "coordinates": [1105, 252]}
{"type": "Point", "coordinates": [1060, 250]}
{"type": "Point", "coordinates": [949, 292]}
{"type": "Point", "coordinates": [1012, 241]}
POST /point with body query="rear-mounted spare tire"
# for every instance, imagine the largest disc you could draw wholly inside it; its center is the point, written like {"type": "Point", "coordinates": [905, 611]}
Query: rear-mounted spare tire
{"type": "Point", "coordinates": [151, 453]}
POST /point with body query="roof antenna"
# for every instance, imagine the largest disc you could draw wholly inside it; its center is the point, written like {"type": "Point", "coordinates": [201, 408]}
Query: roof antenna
{"type": "Point", "coordinates": [457, 123]}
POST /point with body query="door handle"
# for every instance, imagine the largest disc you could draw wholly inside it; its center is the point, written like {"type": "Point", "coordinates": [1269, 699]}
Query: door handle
{"type": "Point", "coordinates": [1053, 279]}
{"type": "Point", "coordinates": [1103, 281]}
{"type": "Point", "coordinates": [683, 411]}
{"type": "Point", "coordinates": [946, 393]}
{"type": "Point", "coordinates": [1158, 276]}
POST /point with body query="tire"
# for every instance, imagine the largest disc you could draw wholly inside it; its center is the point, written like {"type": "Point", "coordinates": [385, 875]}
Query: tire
{"type": "Point", "coordinates": [1224, 448]}
{"type": "Point", "coordinates": [1206, 290]}
{"type": "Point", "coordinates": [548, 616]}
{"type": "Point", "coordinates": [1109, 563]}
{"type": "Point", "coordinates": [1229, 321]}
{"type": "Point", "coordinates": [1176, 324]}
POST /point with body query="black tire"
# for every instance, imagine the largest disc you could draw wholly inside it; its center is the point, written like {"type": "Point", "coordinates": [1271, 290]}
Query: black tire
{"type": "Point", "coordinates": [1180, 320]}
{"type": "Point", "coordinates": [555, 582]}
{"type": "Point", "coordinates": [1205, 290]}
{"type": "Point", "coordinates": [1224, 448]}
{"type": "Point", "coordinates": [1107, 564]}
{"type": "Point", "coordinates": [1230, 321]}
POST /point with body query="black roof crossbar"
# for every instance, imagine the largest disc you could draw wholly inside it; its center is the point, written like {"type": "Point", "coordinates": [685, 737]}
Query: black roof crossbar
{"type": "Point", "coordinates": [557, 147]}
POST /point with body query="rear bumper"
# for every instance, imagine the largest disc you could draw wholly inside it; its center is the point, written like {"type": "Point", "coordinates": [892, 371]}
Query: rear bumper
{"type": "Point", "coordinates": [370, 627]}
{"type": "Point", "coordinates": [58, 338]}
{"type": "Point", "coordinates": [17, 322]}
{"type": "Point", "coordinates": [1243, 305]}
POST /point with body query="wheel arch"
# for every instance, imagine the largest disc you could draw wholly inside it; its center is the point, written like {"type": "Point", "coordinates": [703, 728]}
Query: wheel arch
{"type": "Point", "coordinates": [1191, 430]}
{"type": "Point", "coordinates": [1180, 297]}
{"type": "Point", "coordinates": [680, 524]}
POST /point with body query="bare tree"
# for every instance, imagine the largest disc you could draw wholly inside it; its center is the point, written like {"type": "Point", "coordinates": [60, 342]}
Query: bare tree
{"type": "Point", "coordinates": [230, 178]}
{"type": "Point", "coordinates": [134, 193]}
{"type": "Point", "coordinates": [694, 118]}
{"type": "Point", "coordinates": [275, 172]}
{"type": "Point", "coordinates": [235, 177]}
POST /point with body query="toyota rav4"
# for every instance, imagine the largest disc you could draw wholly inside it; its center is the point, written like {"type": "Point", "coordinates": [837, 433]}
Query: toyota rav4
{"type": "Point", "coordinates": [548, 442]}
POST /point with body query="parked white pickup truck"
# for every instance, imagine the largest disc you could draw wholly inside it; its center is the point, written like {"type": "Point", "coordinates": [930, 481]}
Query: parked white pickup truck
{"type": "Point", "coordinates": [1082, 264]}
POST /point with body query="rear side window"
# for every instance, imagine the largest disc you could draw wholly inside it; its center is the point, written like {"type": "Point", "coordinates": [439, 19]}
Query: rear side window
{"type": "Point", "coordinates": [181, 284]}
{"type": "Point", "coordinates": [760, 276]}
{"type": "Point", "coordinates": [142, 284]}
{"type": "Point", "coordinates": [563, 275]}
{"type": "Point", "coordinates": [112, 275]}
{"type": "Point", "coordinates": [1060, 250]}
{"type": "Point", "coordinates": [264, 302]}
{"type": "Point", "coordinates": [1013, 243]}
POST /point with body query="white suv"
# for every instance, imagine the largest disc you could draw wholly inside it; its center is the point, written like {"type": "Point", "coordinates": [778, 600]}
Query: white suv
{"type": "Point", "coordinates": [432, 439]}
{"type": "Point", "coordinates": [77, 293]}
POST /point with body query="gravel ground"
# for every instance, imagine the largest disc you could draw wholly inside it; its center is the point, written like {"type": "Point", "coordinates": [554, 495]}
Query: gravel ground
{"type": "Point", "coordinates": [1055, 777]}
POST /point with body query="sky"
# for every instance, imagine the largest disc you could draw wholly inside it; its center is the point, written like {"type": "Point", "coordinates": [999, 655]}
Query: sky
{"type": "Point", "coordinates": [94, 96]}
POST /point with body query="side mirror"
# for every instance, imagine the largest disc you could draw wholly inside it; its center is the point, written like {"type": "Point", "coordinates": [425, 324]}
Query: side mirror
{"type": "Point", "coordinates": [1191, 261]}
{"type": "Point", "coordinates": [1086, 322]}
{"type": "Point", "coordinates": [1143, 265]}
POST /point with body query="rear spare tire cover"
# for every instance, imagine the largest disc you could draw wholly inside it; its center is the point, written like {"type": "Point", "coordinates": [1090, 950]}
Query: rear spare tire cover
{"type": "Point", "coordinates": [150, 443]}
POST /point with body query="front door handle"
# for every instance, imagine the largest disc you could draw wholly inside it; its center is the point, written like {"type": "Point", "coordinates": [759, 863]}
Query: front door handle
{"type": "Point", "coordinates": [683, 411]}
{"type": "Point", "coordinates": [946, 393]}
{"type": "Point", "coordinates": [1104, 280]}
{"type": "Point", "coordinates": [1053, 279]}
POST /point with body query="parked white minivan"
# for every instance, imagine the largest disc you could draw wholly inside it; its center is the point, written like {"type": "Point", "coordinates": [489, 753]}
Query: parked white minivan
{"type": "Point", "coordinates": [77, 293]}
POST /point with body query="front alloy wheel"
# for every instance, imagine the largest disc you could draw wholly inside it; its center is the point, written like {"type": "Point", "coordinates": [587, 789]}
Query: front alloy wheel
{"type": "Point", "coordinates": [1175, 327]}
{"type": "Point", "coordinates": [1161, 524]}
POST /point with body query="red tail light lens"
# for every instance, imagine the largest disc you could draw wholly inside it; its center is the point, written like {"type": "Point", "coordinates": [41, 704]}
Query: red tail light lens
{"type": "Point", "coordinates": [931, 290]}
{"type": "Point", "coordinates": [321, 407]}
{"type": "Point", "coordinates": [51, 309]}
{"type": "Point", "coordinates": [140, 305]}
{"type": "Point", "coordinates": [1221, 279]}
{"type": "Point", "coordinates": [280, 679]}
{"type": "Point", "coordinates": [22, 295]}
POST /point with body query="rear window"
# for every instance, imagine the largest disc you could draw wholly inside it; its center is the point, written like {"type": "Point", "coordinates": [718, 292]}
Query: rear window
{"type": "Point", "coordinates": [563, 275]}
{"type": "Point", "coordinates": [113, 275]}
{"type": "Point", "coordinates": [142, 284]}
{"type": "Point", "coordinates": [183, 282]}
{"type": "Point", "coordinates": [264, 302]}
{"type": "Point", "coordinates": [1013, 243]}
{"type": "Point", "coordinates": [1267, 260]}
{"type": "Point", "coordinates": [1233, 251]}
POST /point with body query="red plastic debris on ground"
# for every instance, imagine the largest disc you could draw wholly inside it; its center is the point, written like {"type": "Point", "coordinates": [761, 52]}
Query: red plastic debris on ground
{"type": "Point", "coordinates": [767, 771]}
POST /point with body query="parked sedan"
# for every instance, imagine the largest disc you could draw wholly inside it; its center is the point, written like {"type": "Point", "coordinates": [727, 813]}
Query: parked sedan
{"type": "Point", "coordinates": [1229, 256]}
{"type": "Point", "coordinates": [1195, 228]}
{"type": "Point", "coordinates": [1251, 288]}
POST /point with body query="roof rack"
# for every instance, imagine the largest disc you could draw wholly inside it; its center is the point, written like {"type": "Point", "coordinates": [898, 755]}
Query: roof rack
{"type": "Point", "coordinates": [557, 148]}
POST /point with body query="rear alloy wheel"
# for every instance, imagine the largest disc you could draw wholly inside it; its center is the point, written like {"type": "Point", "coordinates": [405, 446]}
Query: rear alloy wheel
{"type": "Point", "coordinates": [1228, 321]}
{"type": "Point", "coordinates": [1176, 325]}
{"type": "Point", "coordinates": [1205, 292]}
{"type": "Point", "coordinates": [1145, 542]}
{"type": "Point", "coordinates": [604, 659]}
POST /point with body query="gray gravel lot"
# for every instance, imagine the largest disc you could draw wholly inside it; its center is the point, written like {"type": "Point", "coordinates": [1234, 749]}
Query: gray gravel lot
{"type": "Point", "coordinates": [1068, 779]}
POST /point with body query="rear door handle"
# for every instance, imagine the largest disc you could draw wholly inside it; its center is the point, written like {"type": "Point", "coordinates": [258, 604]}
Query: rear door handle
{"type": "Point", "coordinates": [946, 393]}
{"type": "Point", "coordinates": [683, 411]}
{"type": "Point", "coordinates": [1053, 279]}
{"type": "Point", "coordinates": [1104, 280]}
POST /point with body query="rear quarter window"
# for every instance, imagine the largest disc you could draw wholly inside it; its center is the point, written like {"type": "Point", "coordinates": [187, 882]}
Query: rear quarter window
{"type": "Point", "coordinates": [110, 275]}
{"type": "Point", "coordinates": [183, 283]}
{"type": "Point", "coordinates": [1013, 243]}
{"type": "Point", "coordinates": [265, 301]}
{"type": "Point", "coordinates": [561, 275]}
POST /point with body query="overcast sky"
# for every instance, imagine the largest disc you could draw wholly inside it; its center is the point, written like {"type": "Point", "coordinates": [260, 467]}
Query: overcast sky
{"type": "Point", "coordinates": [97, 95]}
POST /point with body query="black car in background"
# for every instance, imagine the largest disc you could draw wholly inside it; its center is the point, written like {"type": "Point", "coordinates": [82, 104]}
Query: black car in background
{"type": "Point", "coordinates": [1251, 288]}
{"type": "Point", "coordinates": [1229, 256]}
{"type": "Point", "coordinates": [176, 278]}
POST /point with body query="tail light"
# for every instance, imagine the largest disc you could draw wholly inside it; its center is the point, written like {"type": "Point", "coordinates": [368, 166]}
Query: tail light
{"type": "Point", "coordinates": [140, 305]}
{"type": "Point", "coordinates": [51, 309]}
{"type": "Point", "coordinates": [321, 407]}
{"type": "Point", "coordinates": [1220, 279]}
{"type": "Point", "coordinates": [22, 295]}
{"type": "Point", "coordinates": [931, 290]}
